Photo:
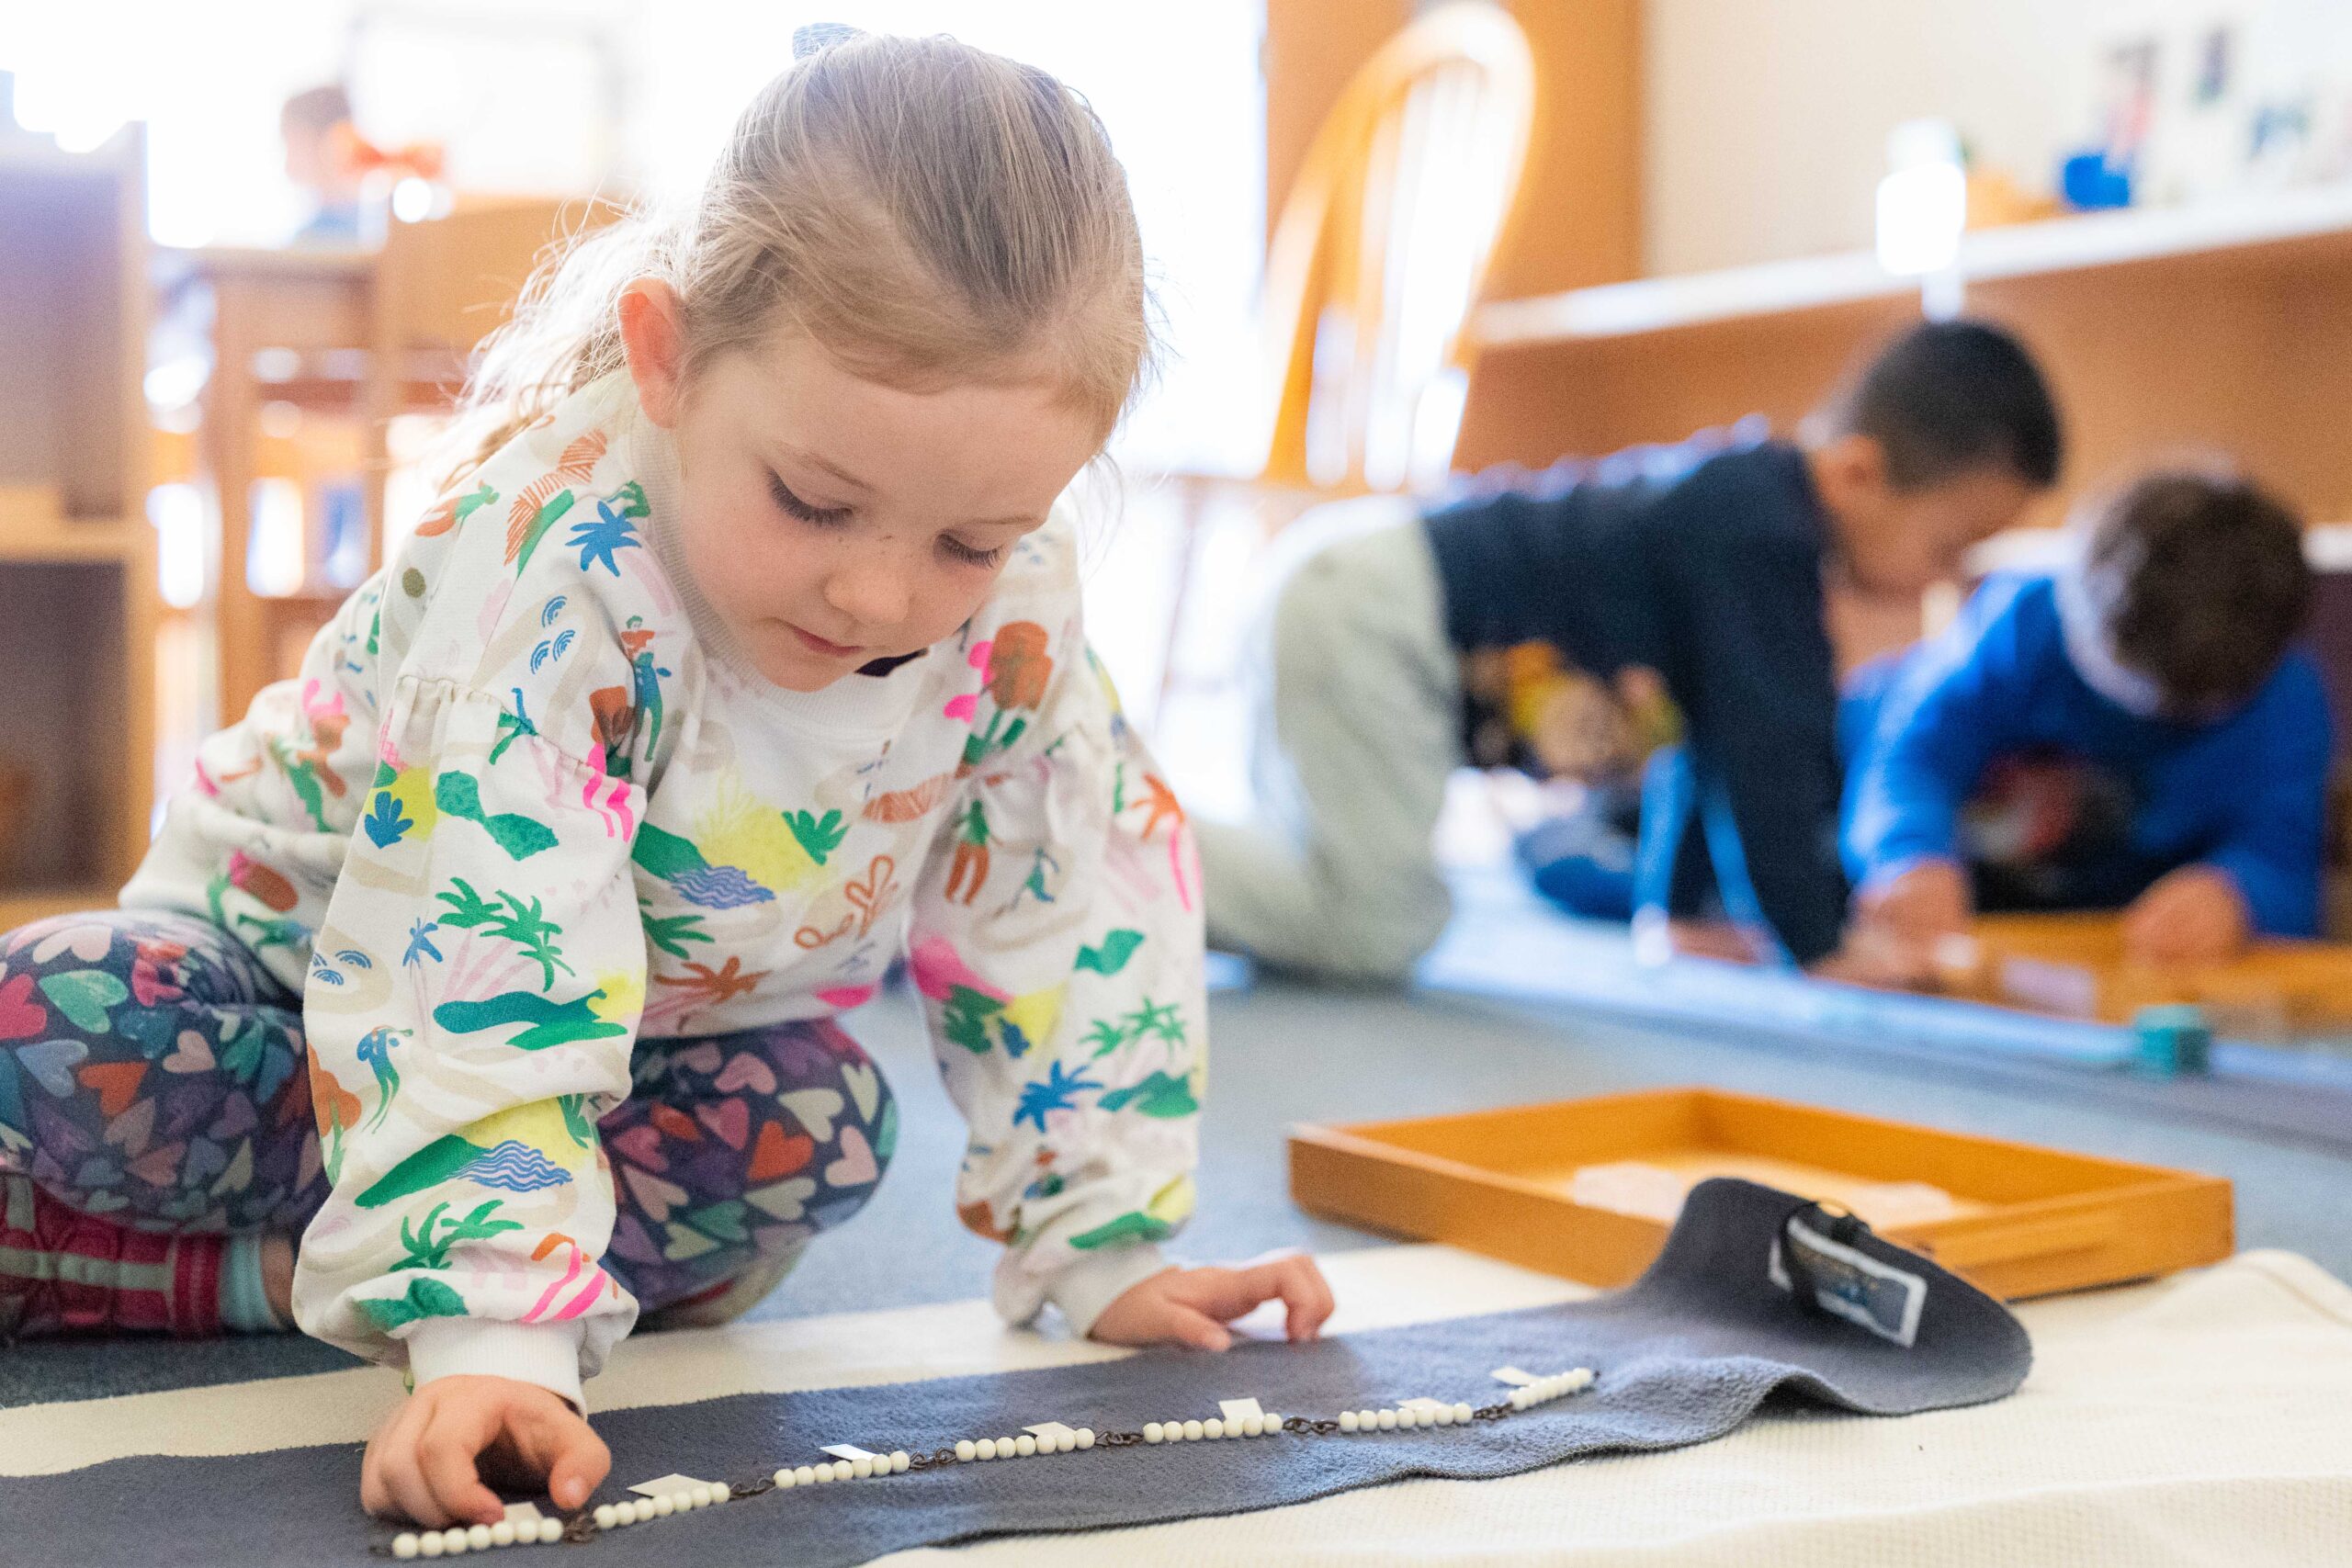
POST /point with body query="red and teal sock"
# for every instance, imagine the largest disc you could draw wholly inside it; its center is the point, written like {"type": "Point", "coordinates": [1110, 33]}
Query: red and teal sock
{"type": "Point", "coordinates": [62, 1271]}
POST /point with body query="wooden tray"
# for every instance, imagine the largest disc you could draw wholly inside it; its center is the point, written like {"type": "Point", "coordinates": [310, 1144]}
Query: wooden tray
{"type": "Point", "coordinates": [2027, 1221]}
{"type": "Point", "coordinates": [2074, 966]}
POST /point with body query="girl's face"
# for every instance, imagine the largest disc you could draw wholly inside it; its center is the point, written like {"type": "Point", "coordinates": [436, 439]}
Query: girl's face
{"type": "Point", "coordinates": [830, 520]}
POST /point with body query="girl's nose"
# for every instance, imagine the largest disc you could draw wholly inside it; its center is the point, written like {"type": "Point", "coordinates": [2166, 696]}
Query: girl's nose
{"type": "Point", "coordinates": [873, 595]}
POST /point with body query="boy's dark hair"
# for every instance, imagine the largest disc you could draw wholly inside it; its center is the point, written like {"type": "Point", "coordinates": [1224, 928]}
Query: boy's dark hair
{"type": "Point", "coordinates": [2200, 584]}
{"type": "Point", "coordinates": [1951, 398]}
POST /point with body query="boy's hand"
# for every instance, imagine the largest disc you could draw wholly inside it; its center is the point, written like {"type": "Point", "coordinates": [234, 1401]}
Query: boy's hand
{"type": "Point", "coordinates": [430, 1458]}
{"type": "Point", "coordinates": [2196, 915]}
{"type": "Point", "coordinates": [1927, 900]}
{"type": "Point", "coordinates": [1192, 1306]}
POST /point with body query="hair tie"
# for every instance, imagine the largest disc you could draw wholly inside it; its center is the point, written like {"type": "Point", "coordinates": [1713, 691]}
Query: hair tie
{"type": "Point", "coordinates": [815, 38]}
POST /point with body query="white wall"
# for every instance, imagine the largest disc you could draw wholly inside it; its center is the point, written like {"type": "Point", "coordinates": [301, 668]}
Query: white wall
{"type": "Point", "coordinates": [1766, 119]}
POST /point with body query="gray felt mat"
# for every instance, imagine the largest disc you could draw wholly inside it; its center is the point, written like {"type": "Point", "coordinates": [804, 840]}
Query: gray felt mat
{"type": "Point", "coordinates": [1683, 1356]}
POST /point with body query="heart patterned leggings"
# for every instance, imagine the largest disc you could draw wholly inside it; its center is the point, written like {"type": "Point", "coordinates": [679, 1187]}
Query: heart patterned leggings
{"type": "Point", "coordinates": [155, 1098]}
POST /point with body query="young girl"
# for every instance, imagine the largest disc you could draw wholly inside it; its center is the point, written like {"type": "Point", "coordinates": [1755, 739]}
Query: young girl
{"type": "Point", "coordinates": [497, 955]}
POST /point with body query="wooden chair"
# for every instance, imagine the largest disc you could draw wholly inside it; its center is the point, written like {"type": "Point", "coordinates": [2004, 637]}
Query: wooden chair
{"type": "Point", "coordinates": [442, 287]}
{"type": "Point", "coordinates": [1383, 247]}
{"type": "Point", "coordinates": [432, 292]}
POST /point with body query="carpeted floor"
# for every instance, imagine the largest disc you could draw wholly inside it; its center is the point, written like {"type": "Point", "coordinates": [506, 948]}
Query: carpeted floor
{"type": "Point", "coordinates": [1284, 1054]}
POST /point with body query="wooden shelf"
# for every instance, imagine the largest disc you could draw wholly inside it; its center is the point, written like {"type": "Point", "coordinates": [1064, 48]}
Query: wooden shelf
{"type": "Point", "coordinates": [70, 540]}
{"type": "Point", "coordinates": [2289, 221]}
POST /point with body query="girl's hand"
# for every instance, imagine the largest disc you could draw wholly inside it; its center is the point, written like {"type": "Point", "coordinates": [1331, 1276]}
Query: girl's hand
{"type": "Point", "coordinates": [430, 1458]}
{"type": "Point", "coordinates": [1192, 1306]}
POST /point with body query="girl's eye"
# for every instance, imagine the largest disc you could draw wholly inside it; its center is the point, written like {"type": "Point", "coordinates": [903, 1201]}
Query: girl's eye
{"type": "Point", "coordinates": [958, 550]}
{"type": "Point", "coordinates": [793, 506]}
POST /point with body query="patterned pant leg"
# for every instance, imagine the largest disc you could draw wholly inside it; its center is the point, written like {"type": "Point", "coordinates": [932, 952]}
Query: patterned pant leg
{"type": "Point", "coordinates": [152, 1074]}
{"type": "Point", "coordinates": [152, 1096]}
{"type": "Point", "coordinates": [735, 1149]}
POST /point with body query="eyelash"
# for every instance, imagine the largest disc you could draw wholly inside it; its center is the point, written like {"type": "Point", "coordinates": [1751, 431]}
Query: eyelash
{"type": "Point", "coordinates": [963, 552]}
{"type": "Point", "coordinates": [825, 516]}
{"type": "Point", "coordinates": [833, 516]}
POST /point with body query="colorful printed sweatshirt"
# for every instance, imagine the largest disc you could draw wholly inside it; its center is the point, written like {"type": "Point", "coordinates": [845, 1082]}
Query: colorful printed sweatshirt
{"type": "Point", "coordinates": [526, 802]}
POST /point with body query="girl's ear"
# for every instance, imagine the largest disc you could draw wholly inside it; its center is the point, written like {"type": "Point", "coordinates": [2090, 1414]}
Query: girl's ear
{"type": "Point", "coordinates": [653, 335]}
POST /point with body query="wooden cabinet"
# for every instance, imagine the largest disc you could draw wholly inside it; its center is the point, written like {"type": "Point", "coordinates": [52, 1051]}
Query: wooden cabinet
{"type": "Point", "coordinates": [77, 575]}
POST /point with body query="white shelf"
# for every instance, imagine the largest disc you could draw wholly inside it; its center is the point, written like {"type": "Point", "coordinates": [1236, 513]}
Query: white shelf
{"type": "Point", "coordinates": [2327, 545]}
{"type": "Point", "coordinates": [2056, 245]}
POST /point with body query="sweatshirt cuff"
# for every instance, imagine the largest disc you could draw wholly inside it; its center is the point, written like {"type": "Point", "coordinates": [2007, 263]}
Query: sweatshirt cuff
{"type": "Point", "coordinates": [545, 1353]}
{"type": "Point", "coordinates": [1084, 1288]}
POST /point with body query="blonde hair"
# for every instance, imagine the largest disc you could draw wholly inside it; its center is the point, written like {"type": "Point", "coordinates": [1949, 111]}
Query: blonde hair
{"type": "Point", "coordinates": [927, 211]}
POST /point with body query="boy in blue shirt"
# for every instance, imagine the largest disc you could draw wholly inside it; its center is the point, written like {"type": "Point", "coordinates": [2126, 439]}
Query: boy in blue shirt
{"type": "Point", "coordinates": [1691, 576]}
{"type": "Point", "coordinates": [2137, 730]}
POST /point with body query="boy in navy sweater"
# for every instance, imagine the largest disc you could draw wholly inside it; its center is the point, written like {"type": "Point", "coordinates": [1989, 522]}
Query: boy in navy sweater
{"type": "Point", "coordinates": [1695, 574]}
{"type": "Point", "coordinates": [2136, 730]}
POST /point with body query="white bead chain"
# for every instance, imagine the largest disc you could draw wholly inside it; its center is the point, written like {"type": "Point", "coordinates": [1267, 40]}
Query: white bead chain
{"type": "Point", "coordinates": [1240, 1420]}
{"type": "Point", "coordinates": [533, 1531]}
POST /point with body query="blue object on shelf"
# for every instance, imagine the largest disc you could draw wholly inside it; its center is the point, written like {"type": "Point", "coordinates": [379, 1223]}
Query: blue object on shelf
{"type": "Point", "coordinates": [2091, 184]}
{"type": "Point", "coordinates": [2173, 1040]}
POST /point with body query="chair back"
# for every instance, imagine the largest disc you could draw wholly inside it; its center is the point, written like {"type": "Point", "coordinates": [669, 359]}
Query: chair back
{"type": "Point", "coordinates": [1383, 248]}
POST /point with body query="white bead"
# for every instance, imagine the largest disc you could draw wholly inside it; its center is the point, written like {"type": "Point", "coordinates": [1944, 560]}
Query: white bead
{"type": "Point", "coordinates": [987, 1448]}
{"type": "Point", "coordinates": [1212, 1428]}
{"type": "Point", "coordinates": [603, 1515]}
{"type": "Point", "coordinates": [502, 1533]}
{"type": "Point", "coordinates": [1195, 1431]}
{"type": "Point", "coordinates": [966, 1449]}
{"type": "Point", "coordinates": [1026, 1446]}
{"type": "Point", "coordinates": [1463, 1414]}
{"type": "Point", "coordinates": [663, 1507]}
{"type": "Point", "coordinates": [550, 1531]}
{"type": "Point", "coordinates": [644, 1509]}
{"type": "Point", "coordinates": [1085, 1437]}
{"type": "Point", "coordinates": [1443, 1415]}
{"type": "Point", "coordinates": [1519, 1399]}
{"type": "Point", "coordinates": [702, 1495]}
{"type": "Point", "coordinates": [429, 1544]}
{"type": "Point", "coordinates": [1273, 1424]}
{"type": "Point", "coordinates": [478, 1538]}
{"type": "Point", "coordinates": [1368, 1419]}
{"type": "Point", "coordinates": [1348, 1422]}
{"type": "Point", "coordinates": [899, 1461]}
{"type": "Point", "coordinates": [453, 1541]}
{"type": "Point", "coordinates": [861, 1469]}
{"type": "Point", "coordinates": [1006, 1448]}
{"type": "Point", "coordinates": [804, 1473]}
{"type": "Point", "coordinates": [844, 1469]}
{"type": "Point", "coordinates": [1152, 1433]}
{"type": "Point", "coordinates": [682, 1500]}
{"type": "Point", "coordinates": [404, 1545]}
{"type": "Point", "coordinates": [721, 1492]}
{"type": "Point", "coordinates": [1387, 1420]}
{"type": "Point", "coordinates": [785, 1480]}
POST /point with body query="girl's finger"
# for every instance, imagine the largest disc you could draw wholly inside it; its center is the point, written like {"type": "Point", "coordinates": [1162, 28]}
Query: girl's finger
{"type": "Point", "coordinates": [1321, 1303]}
{"type": "Point", "coordinates": [1287, 1279]}
{"type": "Point", "coordinates": [563, 1451]}
{"type": "Point", "coordinates": [393, 1436]}
{"type": "Point", "coordinates": [1187, 1326]}
{"type": "Point", "coordinates": [406, 1482]}
{"type": "Point", "coordinates": [446, 1454]}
